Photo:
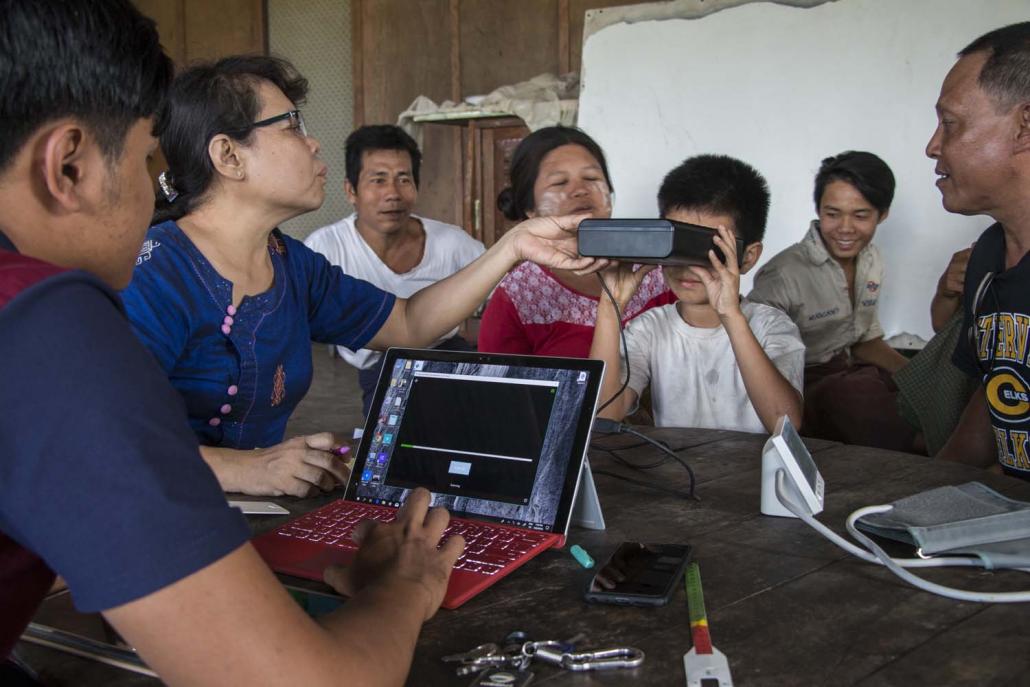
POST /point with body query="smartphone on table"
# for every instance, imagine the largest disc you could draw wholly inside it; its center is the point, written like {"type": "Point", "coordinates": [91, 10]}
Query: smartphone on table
{"type": "Point", "coordinates": [639, 574]}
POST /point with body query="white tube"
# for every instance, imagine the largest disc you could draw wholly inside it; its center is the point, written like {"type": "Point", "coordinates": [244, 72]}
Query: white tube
{"type": "Point", "coordinates": [897, 566]}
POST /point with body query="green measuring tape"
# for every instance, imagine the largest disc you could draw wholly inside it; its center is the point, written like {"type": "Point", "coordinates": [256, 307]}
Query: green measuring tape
{"type": "Point", "coordinates": [703, 664]}
{"type": "Point", "coordinates": [696, 608]}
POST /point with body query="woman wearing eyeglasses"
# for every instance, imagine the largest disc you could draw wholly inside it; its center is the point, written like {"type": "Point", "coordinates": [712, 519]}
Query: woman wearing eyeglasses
{"type": "Point", "coordinates": [229, 305]}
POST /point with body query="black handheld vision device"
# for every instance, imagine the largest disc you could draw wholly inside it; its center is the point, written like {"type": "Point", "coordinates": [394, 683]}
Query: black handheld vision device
{"type": "Point", "coordinates": [650, 242]}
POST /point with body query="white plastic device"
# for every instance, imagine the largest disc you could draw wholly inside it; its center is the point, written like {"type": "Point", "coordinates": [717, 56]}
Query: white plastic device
{"type": "Point", "coordinates": [784, 450]}
{"type": "Point", "coordinates": [586, 509]}
{"type": "Point", "coordinates": [259, 507]}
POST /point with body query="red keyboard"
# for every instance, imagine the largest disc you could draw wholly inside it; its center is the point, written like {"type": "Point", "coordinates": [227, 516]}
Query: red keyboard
{"type": "Point", "coordinates": [488, 547]}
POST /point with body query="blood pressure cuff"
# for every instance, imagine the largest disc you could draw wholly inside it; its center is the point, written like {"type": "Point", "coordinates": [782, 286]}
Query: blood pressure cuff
{"type": "Point", "coordinates": [969, 519]}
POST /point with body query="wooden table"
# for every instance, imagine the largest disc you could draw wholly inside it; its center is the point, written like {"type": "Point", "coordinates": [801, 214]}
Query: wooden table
{"type": "Point", "coordinates": [785, 606]}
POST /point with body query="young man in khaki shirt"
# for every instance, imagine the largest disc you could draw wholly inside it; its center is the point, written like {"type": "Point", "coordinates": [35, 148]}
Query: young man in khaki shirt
{"type": "Point", "coordinates": [829, 283]}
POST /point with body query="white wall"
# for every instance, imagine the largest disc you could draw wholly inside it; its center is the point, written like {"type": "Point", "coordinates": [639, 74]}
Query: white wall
{"type": "Point", "coordinates": [781, 88]}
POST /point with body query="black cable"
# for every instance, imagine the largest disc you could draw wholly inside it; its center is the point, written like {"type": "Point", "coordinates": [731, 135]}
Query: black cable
{"type": "Point", "coordinates": [665, 449]}
{"type": "Point", "coordinates": [606, 426]}
{"type": "Point", "coordinates": [622, 337]}
{"type": "Point", "coordinates": [648, 485]}
{"type": "Point", "coordinates": [635, 466]}
{"type": "Point", "coordinates": [629, 447]}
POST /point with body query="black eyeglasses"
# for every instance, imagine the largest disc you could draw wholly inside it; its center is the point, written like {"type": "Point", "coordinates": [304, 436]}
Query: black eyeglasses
{"type": "Point", "coordinates": [981, 293]}
{"type": "Point", "coordinates": [295, 118]}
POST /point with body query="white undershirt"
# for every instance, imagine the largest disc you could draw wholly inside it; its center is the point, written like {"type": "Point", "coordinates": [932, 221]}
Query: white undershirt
{"type": "Point", "coordinates": [448, 249]}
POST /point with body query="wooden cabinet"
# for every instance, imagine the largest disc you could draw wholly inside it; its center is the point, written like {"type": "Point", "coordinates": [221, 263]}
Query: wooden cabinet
{"type": "Point", "coordinates": [496, 144]}
{"type": "Point", "coordinates": [465, 166]}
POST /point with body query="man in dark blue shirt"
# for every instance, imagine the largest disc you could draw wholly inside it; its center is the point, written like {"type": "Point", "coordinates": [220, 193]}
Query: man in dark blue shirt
{"type": "Point", "coordinates": [101, 480]}
{"type": "Point", "coordinates": [982, 149]}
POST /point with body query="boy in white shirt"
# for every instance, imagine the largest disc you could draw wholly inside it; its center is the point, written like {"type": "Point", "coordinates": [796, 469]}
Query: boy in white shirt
{"type": "Point", "coordinates": [712, 360]}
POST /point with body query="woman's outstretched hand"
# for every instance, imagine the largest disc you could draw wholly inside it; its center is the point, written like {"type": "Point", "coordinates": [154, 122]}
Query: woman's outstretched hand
{"type": "Point", "coordinates": [551, 242]}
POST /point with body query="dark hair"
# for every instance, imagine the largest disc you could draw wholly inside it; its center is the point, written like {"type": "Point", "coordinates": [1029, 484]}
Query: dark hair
{"type": "Point", "coordinates": [379, 137]}
{"type": "Point", "coordinates": [207, 100]}
{"type": "Point", "coordinates": [1005, 75]}
{"type": "Point", "coordinates": [866, 172]}
{"type": "Point", "coordinates": [516, 200]}
{"type": "Point", "coordinates": [99, 61]}
{"type": "Point", "coordinates": [720, 185]}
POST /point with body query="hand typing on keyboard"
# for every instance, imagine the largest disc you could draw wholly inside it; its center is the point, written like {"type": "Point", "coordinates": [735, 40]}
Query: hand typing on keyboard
{"type": "Point", "coordinates": [404, 556]}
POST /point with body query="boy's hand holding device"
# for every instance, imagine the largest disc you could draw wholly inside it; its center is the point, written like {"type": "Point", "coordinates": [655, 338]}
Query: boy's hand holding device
{"type": "Point", "coordinates": [623, 281]}
{"type": "Point", "coordinates": [723, 286]}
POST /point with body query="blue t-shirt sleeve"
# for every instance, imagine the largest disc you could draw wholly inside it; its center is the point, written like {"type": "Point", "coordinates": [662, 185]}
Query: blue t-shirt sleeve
{"type": "Point", "coordinates": [100, 474]}
{"type": "Point", "coordinates": [341, 309]}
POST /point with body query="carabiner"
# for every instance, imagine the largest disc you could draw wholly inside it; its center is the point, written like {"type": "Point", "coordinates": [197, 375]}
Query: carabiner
{"type": "Point", "coordinates": [552, 652]}
{"type": "Point", "coordinates": [603, 659]}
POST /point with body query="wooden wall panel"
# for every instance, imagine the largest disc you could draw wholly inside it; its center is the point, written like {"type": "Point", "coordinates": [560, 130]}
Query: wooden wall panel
{"type": "Point", "coordinates": [441, 177]}
{"type": "Point", "coordinates": [447, 49]}
{"type": "Point", "coordinates": [168, 14]}
{"type": "Point", "coordinates": [205, 29]}
{"type": "Point", "coordinates": [507, 42]}
{"type": "Point", "coordinates": [216, 28]}
{"type": "Point", "coordinates": [357, 52]}
{"type": "Point", "coordinates": [405, 52]}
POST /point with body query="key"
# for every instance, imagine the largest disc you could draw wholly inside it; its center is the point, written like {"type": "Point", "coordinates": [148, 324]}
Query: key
{"type": "Point", "coordinates": [472, 654]}
{"type": "Point", "coordinates": [482, 663]}
{"type": "Point", "coordinates": [503, 676]}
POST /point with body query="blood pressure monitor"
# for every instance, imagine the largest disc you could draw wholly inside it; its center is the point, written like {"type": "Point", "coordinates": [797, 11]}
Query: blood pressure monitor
{"type": "Point", "coordinates": [785, 451]}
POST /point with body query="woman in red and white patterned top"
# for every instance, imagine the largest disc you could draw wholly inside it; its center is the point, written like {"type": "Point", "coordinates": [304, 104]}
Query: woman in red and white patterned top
{"type": "Point", "coordinates": [555, 171]}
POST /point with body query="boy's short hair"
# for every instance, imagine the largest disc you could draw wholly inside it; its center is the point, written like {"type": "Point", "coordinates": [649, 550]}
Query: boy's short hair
{"type": "Point", "coordinates": [99, 61]}
{"type": "Point", "coordinates": [378, 137]}
{"type": "Point", "coordinates": [866, 172]}
{"type": "Point", "coordinates": [721, 185]}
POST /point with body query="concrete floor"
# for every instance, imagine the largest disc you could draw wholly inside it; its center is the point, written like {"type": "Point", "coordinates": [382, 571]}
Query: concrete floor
{"type": "Point", "coordinates": [333, 403]}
